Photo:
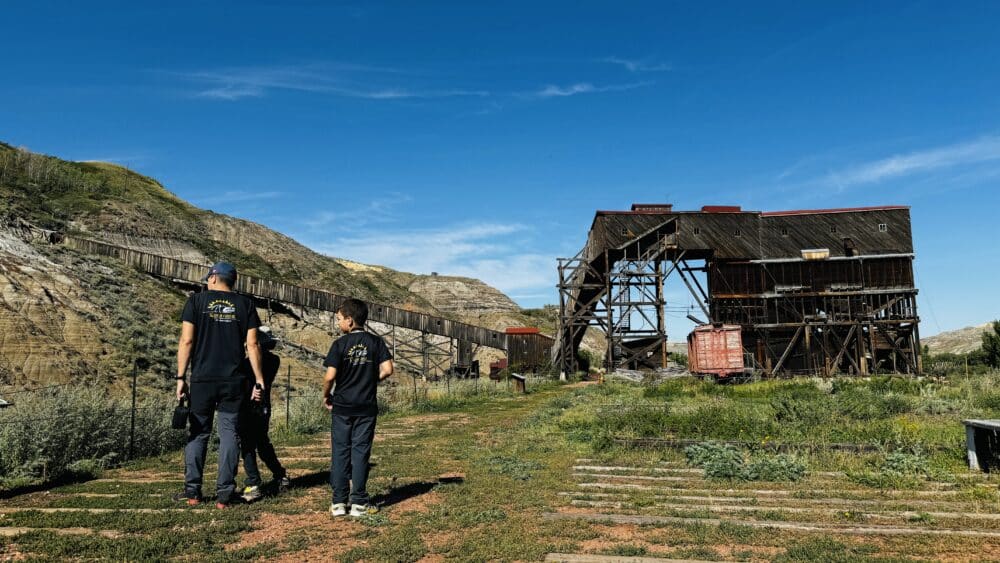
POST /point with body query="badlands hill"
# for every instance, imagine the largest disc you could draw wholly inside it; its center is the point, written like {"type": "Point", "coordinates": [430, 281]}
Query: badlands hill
{"type": "Point", "coordinates": [961, 341]}
{"type": "Point", "coordinates": [66, 315]}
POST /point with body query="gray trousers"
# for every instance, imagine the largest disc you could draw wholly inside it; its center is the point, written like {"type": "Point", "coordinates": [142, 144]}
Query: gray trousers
{"type": "Point", "coordinates": [351, 450]}
{"type": "Point", "coordinates": [206, 399]}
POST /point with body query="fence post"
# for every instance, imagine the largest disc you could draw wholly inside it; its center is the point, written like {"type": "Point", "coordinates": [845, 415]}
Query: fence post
{"type": "Point", "coordinates": [131, 432]}
{"type": "Point", "coordinates": [451, 364]}
{"type": "Point", "coordinates": [288, 398]}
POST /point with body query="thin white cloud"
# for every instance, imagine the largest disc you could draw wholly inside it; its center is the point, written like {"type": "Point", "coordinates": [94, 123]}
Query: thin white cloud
{"type": "Point", "coordinates": [483, 251]}
{"type": "Point", "coordinates": [982, 150]}
{"type": "Point", "coordinates": [352, 81]}
{"type": "Point", "coordinates": [231, 92]}
{"type": "Point", "coordinates": [376, 211]}
{"type": "Point", "coordinates": [553, 91]}
{"type": "Point", "coordinates": [237, 196]}
{"type": "Point", "coordinates": [636, 65]}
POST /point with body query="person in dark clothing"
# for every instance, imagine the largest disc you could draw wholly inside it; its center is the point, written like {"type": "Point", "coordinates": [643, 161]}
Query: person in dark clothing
{"type": "Point", "coordinates": [255, 422]}
{"type": "Point", "coordinates": [357, 361]}
{"type": "Point", "coordinates": [216, 324]}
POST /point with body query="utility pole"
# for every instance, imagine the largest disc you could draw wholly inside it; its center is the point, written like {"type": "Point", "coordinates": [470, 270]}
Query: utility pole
{"type": "Point", "coordinates": [131, 433]}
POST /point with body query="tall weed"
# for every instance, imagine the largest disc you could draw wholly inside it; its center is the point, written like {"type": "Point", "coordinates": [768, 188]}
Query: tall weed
{"type": "Point", "coordinates": [52, 433]}
{"type": "Point", "coordinates": [723, 461]}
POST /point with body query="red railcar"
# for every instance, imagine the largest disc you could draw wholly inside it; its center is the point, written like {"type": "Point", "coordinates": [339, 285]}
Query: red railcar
{"type": "Point", "coordinates": [716, 350]}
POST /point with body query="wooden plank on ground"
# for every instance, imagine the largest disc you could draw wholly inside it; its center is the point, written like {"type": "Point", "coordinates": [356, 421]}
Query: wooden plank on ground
{"type": "Point", "coordinates": [709, 499]}
{"type": "Point", "coordinates": [771, 492]}
{"type": "Point", "coordinates": [17, 531]}
{"type": "Point", "coordinates": [795, 527]}
{"type": "Point", "coordinates": [588, 558]}
{"type": "Point", "coordinates": [673, 469]}
{"type": "Point", "coordinates": [171, 479]}
{"type": "Point", "coordinates": [726, 508]}
{"type": "Point", "coordinates": [12, 510]}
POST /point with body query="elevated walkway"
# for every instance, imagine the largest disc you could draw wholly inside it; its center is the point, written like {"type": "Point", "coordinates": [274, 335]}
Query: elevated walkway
{"type": "Point", "coordinates": [191, 272]}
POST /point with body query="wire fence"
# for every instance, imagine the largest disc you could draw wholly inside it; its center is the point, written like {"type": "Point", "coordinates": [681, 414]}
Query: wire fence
{"type": "Point", "coordinates": [48, 430]}
{"type": "Point", "coordinates": [401, 391]}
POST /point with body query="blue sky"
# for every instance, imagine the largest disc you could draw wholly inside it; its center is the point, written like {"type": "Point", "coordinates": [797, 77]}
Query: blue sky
{"type": "Point", "coordinates": [478, 140]}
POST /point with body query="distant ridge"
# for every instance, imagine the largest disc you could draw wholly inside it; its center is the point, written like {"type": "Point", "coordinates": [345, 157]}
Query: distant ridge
{"type": "Point", "coordinates": [961, 341]}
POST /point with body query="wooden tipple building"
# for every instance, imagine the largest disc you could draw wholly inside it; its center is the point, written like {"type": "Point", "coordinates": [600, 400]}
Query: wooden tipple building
{"type": "Point", "coordinates": [814, 291]}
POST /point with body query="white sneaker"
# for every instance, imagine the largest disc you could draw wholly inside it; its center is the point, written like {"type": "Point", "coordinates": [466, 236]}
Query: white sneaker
{"type": "Point", "coordinates": [338, 509]}
{"type": "Point", "coordinates": [251, 494]}
{"type": "Point", "coordinates": [359, 510]}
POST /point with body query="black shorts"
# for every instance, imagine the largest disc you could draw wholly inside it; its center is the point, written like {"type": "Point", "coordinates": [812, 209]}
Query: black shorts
{"type": "Point", "coordinates": [224, 396]}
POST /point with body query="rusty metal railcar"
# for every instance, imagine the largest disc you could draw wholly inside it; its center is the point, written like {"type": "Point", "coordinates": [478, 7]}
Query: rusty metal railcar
{"type": "Point", "coordinates": [814, 291]}
{"type": "Point", "coordinates": [716, 350]}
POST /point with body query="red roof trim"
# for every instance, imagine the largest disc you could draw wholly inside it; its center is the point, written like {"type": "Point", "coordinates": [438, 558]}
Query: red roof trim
{"type": "Point", "coordinates": [838, 210]}
{"type": "Point", "coordinates": [601, 213]}
{"type": "Point", "coordinates": [522, 330]}
{"type": "Point", "coordinates": [638, 212]}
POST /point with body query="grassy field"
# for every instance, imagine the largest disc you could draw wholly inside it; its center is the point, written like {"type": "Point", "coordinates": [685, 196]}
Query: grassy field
{"type": "Point", "coordinates": [493, 476]}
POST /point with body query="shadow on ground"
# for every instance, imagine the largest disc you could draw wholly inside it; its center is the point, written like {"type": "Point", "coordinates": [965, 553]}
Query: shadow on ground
{"type": "Point", "coordinates": [399, 494]}
{"type": "Point", "coordinates": [395, 495]}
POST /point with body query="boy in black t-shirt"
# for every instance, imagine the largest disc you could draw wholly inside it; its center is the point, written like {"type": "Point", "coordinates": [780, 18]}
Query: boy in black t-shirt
{"type": "Point", "coordinates": [255, 421]}
{"type": "Point", "coordinates": [357, 361]}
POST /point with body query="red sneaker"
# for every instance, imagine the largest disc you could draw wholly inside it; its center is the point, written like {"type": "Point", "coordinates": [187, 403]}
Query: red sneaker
{"type": "Point", "coordinates": [182, 497]}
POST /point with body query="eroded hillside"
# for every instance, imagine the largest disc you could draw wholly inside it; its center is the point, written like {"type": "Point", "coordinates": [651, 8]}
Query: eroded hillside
{"type": "Point", "coordinates": [68, 315]}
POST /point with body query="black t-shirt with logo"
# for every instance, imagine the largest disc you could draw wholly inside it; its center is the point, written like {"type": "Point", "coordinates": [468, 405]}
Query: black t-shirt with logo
{"type": "Point", "coordinates": [221, 320]}
{"type": "Point", "coordinates": [356, 357]}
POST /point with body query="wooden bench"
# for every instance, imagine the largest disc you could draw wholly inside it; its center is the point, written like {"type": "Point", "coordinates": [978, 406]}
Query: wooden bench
{"type": "Point", "coordinates": [982, 444]}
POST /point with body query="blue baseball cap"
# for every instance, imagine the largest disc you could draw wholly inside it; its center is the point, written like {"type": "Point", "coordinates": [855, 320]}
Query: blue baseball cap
{"type": "Point", "coordinates": [223, 270]}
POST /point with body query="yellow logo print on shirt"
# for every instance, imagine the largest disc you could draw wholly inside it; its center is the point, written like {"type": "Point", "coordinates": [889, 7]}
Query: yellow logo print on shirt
{"type": "Point", "coordinates": [222, 310]}
{"type": "Point", "coordinates": [357, 355]}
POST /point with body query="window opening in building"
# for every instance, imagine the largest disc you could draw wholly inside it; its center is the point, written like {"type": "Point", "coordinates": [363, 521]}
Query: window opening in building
{"type": "Point", "coordinates": [882, 228]}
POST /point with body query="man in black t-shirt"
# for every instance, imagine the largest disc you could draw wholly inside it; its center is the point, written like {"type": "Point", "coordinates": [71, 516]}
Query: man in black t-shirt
{"type": "Point", "coordinates": [216, 324]}
{"type": "Point", "coordinates": [357, 361]}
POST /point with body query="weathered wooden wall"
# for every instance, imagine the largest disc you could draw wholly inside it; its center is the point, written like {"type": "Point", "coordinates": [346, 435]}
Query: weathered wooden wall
{"type": "Point", "coordinates": [529, 352]}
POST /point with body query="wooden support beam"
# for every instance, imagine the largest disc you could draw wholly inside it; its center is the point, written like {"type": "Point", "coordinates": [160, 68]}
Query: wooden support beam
{"type": "Point", "coordinates": [843, 349]}
{"type": "Point", "coordinates": [701, 303]}
{"type": "Point", "coordinates": [788, 350]}
{"type": "Point", "coordinates": [898, 351]}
